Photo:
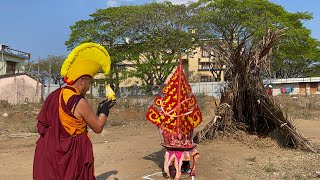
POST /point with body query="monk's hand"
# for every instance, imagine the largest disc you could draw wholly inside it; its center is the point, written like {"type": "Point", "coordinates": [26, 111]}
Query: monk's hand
{"type": "Point", "coordinates": [104, 107]}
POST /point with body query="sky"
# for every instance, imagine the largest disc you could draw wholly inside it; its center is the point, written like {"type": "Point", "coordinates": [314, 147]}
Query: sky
{"type": "Point", "coordinates": [41, 27]}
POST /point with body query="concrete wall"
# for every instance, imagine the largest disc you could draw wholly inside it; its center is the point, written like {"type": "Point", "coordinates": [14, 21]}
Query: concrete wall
{"type": "Point", "coordinates": [94, 90]}
{"type": "Point", "coordinates": [301, 86]}
{"type": "Point", "coordinates": [203, 88]}
{"type": "Point", "coordinates": [200, 88]}
{"type": "Point", "coordinates": [20, 89]}
{"type": "Point", "coordinates": [276, 89]}
{"type": "Point", "coordinates": [46, 92]}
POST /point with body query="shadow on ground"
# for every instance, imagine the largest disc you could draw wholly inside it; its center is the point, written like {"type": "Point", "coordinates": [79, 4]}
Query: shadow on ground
{"type": "Point", "coordinates": [156, 157]}
{"type": "Point", "coordinates": [106, 175]}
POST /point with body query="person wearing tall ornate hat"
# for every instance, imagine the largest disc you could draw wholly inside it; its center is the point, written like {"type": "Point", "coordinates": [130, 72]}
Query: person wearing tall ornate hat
{"type": "Point", "coordinates": [64, 150]}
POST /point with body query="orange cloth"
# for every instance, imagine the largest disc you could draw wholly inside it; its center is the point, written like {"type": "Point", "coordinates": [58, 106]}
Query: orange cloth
{"type": "Point", "coordinates": [73, 125]}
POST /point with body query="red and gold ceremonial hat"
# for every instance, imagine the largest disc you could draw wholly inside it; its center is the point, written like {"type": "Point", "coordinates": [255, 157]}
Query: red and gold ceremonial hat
{"type": "Point", "coordinates": [85, 59]}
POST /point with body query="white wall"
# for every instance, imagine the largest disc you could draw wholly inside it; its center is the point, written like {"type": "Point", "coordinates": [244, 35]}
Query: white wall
{"type": "Point", "coordinates": [20, 89]}
{"type": "Point", "coordinates": [276, 88]}
{"type": "Point", "coordinates": [201, 88]}
{"type": "Point", "coordinates": [207, 88]}
{"type": "Point", "coordinates": [53, 87]}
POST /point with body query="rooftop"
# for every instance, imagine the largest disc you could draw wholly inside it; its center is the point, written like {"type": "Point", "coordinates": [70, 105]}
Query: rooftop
{"type": "Point", "coordinates": [291, 80]}
{"type": "Point", "coordinates": [9, 51]}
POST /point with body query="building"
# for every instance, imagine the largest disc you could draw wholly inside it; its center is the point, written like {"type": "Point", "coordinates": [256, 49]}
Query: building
{"type": "Point", "coordinates": [12, 61]}
{"type": "Point", "coordinates": [294, 86]}
{"type": "Point", "coordinates": [20, 88]}
{"type": "Point", "coordinates": [202, 65]}
{"type": "Point", "coordinates": [199, 65]}
{"type": "Point", "coordinates": [15, 86]}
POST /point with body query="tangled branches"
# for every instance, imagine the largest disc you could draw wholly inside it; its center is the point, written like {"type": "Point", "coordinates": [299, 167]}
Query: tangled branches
{"type": "Point", "coordinates": [245, 104]}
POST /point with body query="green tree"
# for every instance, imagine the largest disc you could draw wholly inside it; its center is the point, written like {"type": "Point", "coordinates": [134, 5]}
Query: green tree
{"type": "Point", "coordinates": [55, 63]}
{"type": "Point", "coordinates": [164, 36]}
{"type": "Point", "coordinates": [236, 22]}
{"type": "Point", "coordinates": [297, 55]}
{"type": "Point", "coordinates": [44, 66]}
{"type": "Point", "coordinates": [150, 36]}
{"type": "Point", "coordinates": [248, 31]}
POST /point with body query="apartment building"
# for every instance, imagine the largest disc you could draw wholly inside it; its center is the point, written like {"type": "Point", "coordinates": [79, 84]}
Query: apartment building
{"type": "Point", "coordinates": [199, 65]}
{"type": "Point", "coordinates": [202, 65]}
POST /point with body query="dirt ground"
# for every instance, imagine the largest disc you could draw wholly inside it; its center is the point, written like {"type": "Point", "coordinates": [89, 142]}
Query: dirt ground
{"type": "Point", "coordinates": [129, 147]}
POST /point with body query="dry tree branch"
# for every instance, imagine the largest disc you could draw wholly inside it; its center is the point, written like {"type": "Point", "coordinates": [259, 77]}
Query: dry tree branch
{"type": "Point", "coordinates": [245, 104]}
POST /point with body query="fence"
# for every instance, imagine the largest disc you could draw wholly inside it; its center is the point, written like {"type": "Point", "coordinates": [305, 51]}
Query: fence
{"type": "Point", "coordinates": [208, 88]}
{"type": "Point", "coordinates": [201, 88]}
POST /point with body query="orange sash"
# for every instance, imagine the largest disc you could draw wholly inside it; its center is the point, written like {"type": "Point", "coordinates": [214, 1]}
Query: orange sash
{"type": "Point", "coordinates": [74, 126]}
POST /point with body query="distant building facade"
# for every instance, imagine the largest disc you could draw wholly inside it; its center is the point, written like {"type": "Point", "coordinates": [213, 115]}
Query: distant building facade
{"type": "Point", "coordinates": [202, 65]}
{"type": "Point", "coordinates": [15, 86]}
{"type": "Point", "coordinates": [295, 86]}
{"type": "Point", "coordinates": [12, 61]}
{"type": "Point", "coordinates": [20, 88]}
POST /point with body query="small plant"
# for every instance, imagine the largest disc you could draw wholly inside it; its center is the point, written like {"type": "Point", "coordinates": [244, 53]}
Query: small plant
{"type": "Point", "coordinates": [251, 159]}
{"type": "Point", "coordinates": [298, 177]}
{"type": "Point", "coordinates": [33, 129]}
{"type": "Point", "coordinates": [270, 167]}
{"type": "Point", "coordinates": [306, 115]}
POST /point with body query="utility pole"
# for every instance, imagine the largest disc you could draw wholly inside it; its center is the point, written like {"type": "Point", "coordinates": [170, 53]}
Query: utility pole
{"type": "Point", "coordinates": [29, 68]}
{"type": "Point", "coordinates": [38, 79]}
{"type": "Point", "coordinates": [49, 80]}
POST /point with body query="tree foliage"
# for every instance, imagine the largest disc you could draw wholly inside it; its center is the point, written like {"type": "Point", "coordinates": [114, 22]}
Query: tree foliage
{"type": "Point", "coordinates": [235, 22]}
{"type": "Point", "coordinates": [253, 28]}
{"type": "Point", "coordinates": [150, 36]}
{"type": "Point", "coordinates": [41, 69]}
{"type": "Point", "coordinates": [297, 55]}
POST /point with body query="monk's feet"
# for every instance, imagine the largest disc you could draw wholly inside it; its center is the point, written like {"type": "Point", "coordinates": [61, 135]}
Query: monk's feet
{"type": "Point", "coordinates": [167, 175]}
{"type": "Point", "coordinates": [178, 175]}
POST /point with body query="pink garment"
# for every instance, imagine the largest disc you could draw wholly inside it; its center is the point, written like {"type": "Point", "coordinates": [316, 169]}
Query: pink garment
{"type": "Point", "coordinates": [177, 157]}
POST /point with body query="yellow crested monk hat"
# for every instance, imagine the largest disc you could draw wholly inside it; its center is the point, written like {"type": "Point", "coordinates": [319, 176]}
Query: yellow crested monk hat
{"type": "Point", "coordinates": [85, 59]}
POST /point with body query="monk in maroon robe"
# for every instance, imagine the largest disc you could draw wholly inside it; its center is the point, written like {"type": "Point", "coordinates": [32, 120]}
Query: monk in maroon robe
{"type": "Point", "coordinates": [64, 150]}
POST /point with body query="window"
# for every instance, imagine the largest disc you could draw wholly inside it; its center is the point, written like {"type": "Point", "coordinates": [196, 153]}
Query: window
{"type": "Point", "coordinates": [11, 67]}
{"type": "Point", "coordinates": [205, 79]}
{"type": "Point", "coordinates": [121, 66]}
{"type": "Point", "coordinates": [204, 66]}
{"type": "Point", "coordinates": [205, 52]}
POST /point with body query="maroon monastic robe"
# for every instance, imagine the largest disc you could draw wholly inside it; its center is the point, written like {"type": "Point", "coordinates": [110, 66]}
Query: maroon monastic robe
{"type": "Point", "coordinates": [58, 155]}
